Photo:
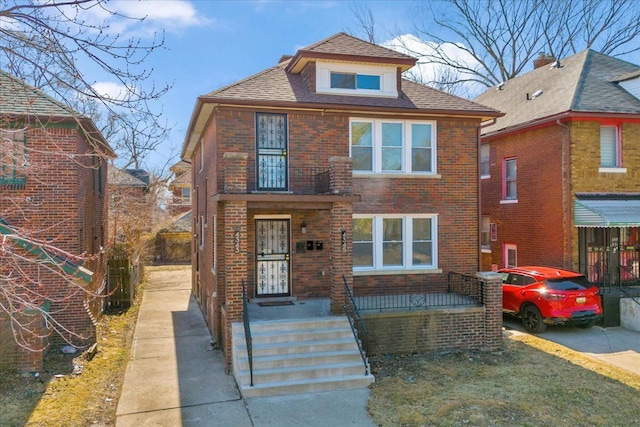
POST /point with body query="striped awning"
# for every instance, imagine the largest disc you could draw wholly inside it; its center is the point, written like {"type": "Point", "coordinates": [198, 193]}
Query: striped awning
{"type": "Point", "coordinates": [607, 213]}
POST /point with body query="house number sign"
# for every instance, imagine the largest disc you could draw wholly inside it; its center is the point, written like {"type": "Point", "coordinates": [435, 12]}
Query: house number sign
{"type": "Point", "coordinates": [236, 242]}
{"type": "Point", "coordinates": [343, 240]}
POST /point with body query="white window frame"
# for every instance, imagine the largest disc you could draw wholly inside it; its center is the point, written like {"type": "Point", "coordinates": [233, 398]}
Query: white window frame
{"type": "Point", "coordinates": [406, 156]}
{"type": "Point", "coordinates": [388, 79]}
{"type": "Point", "coordinates": [505, 181]}
{"type": "Point", "coordinates": [505, 255]}
{"type": "Point", "coordinates": [202, 227]}
{"type": "Point", "coordinates": [485, 233]}
{"type": "Point", "coordinates": [617, 147]}
{"type": "Point", "coordinates": [485, 159]}
{"type": "Point", "coordinates": [407, 266]}
{"type": "Point", "coordinates": [201, 156]}
{"type": "Point", "coordinates": [214, 261]}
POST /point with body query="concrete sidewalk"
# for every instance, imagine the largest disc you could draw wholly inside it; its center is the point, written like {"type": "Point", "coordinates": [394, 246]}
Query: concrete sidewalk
{"type": "Point", "coordinates": [174, 378]}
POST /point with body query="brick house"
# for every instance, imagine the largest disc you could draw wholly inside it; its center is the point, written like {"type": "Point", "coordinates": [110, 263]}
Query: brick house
{"type": "Point", "coordinates": [126, 193]}
{"type": "Point", "coordinates": [53, 175]}
{"type": "Point", "coordinates": [560, 169]}
{"type": "Point", "coordinates": [180, 187]}
{"type": "Point", "coordinates": [330, 168]}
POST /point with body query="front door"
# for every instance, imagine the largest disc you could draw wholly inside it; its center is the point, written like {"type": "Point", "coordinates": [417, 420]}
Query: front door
{"type": "Point", "coordinates": [272, 257]}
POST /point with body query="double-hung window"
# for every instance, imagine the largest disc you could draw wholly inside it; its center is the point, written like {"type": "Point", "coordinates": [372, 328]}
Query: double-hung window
{"type": "Point", "coordinates": [386, 146]}
{"type": "Point", "coordinates": [394, 242]}
{"type": "Point", "coordinates": [509, 180]}
{"type": "Point", "coordinates": [485, 155]}
{"type": "Point", "coordinates": [13, 157]}
{"type": "Point", "coordinates": [610, 148]}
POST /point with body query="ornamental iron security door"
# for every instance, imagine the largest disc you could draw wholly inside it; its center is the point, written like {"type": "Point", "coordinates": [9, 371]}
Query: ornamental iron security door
{"type": "Point", "coordinates": [271, 146]}
{"type": "Point", "coordinates": [272, 255]}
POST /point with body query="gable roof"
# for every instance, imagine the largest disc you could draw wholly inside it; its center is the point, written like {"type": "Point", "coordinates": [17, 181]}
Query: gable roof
{"type": "Point", "coordinates": [20, 100]}
{"type": "Point", "coordinates": [278, 86]}
{"type": "Point", "coordinates": [123, 178]}
{"type": "Point", "coordinates": [343, 47]}
{"type": "Point", "coordinates": [584, 83]}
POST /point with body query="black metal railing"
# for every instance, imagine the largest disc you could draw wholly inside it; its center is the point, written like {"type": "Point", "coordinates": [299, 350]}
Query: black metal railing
{"type": "Point", "coordinates": [298, 180]}
{"type": "Point", "coordinates": [357, 325]}
{"type": "Point", "coordinates": [452, 290]}
{"type": "Point", "coordinates": [247, 332]}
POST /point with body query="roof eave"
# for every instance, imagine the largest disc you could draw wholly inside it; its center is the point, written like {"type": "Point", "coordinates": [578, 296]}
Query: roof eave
{"type": "Point", "coordinates": [302, 57]}
{"type": "Point", "coordinates": [564, 116]}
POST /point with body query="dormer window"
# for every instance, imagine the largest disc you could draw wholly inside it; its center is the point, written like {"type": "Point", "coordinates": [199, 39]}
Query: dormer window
{"type": "Point", "coordinates": [354, 81]}
{"type": "Point", "coordinates": [340, 78]}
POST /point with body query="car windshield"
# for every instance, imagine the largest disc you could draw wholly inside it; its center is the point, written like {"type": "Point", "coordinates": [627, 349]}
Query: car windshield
{"type": "Point", "coordinates": [577, 283]}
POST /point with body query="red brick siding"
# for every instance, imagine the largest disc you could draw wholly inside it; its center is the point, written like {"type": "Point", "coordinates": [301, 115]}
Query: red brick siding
{"type": "Point", "coordinates": [60, 203]}
{"type": "Point", "coordinates": [536, 222]}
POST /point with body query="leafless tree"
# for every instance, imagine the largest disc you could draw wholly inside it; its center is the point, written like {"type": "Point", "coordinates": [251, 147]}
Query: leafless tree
{"type": "Point", "coordinates": [57, 46]}
{"type": "Point", "coordinates": [497, 40]}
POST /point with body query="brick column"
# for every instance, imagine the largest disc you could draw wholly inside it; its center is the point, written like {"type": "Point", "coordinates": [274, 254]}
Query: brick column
{"type": "Point", "coordinates": [235, 246]}
{"type": "Point", "coordinates": [235, 172]}
{"type": "Point", "coordinates": [492, 296]}
{"type": "Point", "coordinates": [341, 237]}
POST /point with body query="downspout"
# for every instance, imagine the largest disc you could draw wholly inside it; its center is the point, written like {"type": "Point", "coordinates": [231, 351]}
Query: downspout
{"type": "Point", "coordinates": [478, 170]}
{"type": "Point", "coordinates": [566, 198]}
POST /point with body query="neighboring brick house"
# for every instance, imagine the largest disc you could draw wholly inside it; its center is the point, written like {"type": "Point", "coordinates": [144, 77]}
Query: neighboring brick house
{"type": "Point", "coordinates": [127, 196]}
{"type": "Point", "coordinates": [53, 175]}
{"type": "Point", "coordinates": [330, 165]}
{"type": "Point", "coordinates": [180, 187]}
{"type": "Point", "coordinates": [560, 170]}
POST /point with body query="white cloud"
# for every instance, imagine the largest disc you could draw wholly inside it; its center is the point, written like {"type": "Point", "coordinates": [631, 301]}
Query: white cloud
{"type": "Point", "coordinates": [144, 18]}
{"type": "Point", "coordinates": [426, 70]}
{"type": "Point", "coordinates": [111, 90]}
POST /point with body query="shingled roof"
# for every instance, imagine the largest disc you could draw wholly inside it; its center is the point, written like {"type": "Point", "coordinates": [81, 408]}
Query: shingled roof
{"type": "Point", "coordinates": [343, 47]}
{"type": "Point", "coordinates": [584, 83]}
{"type": "Point", "coordinates": [282, 86]}
{"type": "Point", "coordinates": [20, 100]}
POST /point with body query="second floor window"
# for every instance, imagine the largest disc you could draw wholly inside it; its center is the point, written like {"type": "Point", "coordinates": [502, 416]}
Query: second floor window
{"type": "Point", "coordinates": [354, 81]}
{"type": "Point", "coordinates": [609, 147]}
{"type": "Point", "coordinates": [509, 191]}
{"type": "Point", "coordinates": [393, 146]}
{"type": "Point", "coordinates": [485, 154]}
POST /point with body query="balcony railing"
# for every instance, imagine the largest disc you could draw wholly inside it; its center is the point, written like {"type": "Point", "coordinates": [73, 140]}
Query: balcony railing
{"type": "Point", "coordinates": [297, 180]}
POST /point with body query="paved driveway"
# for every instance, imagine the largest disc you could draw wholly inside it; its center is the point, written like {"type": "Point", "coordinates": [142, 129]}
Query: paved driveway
{"type": "Point", "coordinates": [615, 345]}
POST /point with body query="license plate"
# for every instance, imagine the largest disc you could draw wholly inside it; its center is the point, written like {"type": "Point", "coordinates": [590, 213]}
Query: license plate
{"type": "Point", "coordinates": [581, 300]}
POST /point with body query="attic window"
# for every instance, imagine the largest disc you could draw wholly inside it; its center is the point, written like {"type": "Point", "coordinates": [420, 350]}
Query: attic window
{"type": "Point", "coordinates": [354, 81]}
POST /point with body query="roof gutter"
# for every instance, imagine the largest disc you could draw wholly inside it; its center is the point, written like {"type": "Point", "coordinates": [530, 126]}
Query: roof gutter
{"type": "Point", "coordinates": [478, 166]}
{"type": "Point", "coordinates": [565, 116]}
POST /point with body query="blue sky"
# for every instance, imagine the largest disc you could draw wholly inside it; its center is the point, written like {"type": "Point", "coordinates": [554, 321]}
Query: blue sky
{"type": "Point", "coordinates": [210, 44]}
{"type": "Point", "coordinates": [213, 43]}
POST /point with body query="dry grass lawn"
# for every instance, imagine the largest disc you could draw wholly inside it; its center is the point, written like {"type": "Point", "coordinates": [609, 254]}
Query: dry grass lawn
{"type": "Point", "coordinates": [531, 382]}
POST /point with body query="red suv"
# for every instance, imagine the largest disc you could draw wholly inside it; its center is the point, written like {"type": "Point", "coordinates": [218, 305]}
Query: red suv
{"type": "Point", "coordinates": [543, 296]}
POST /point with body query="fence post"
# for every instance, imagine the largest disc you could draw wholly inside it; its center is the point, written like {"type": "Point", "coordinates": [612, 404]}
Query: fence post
{"type": "Point", "coordinates": [492, 296]}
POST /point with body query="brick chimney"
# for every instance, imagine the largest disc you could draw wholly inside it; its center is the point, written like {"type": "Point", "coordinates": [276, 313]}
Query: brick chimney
{"type": "Point", "coordinates": [542, 60]}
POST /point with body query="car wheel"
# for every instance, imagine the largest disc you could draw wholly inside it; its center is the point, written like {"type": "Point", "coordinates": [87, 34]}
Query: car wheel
{"type": "Point", "coordinates": [532, 320]}
{"type": "Point", "coordinates": [587, 325]}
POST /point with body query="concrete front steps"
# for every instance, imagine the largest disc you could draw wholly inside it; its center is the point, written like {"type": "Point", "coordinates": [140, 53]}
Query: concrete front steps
{"type": "Point", "coordinates": [298, 356]}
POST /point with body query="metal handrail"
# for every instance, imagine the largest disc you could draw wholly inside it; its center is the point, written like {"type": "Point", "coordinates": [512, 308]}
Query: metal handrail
{"type": "Point", "coordinates": [247, 332]}
{"type": "Point", "coordinates": [357, 325]}
{"type": "Point", "coordinates": [624, 291]}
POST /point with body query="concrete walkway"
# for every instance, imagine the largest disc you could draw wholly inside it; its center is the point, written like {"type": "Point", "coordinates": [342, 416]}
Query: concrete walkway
{"type": "Point", "coordinates": [174, 378]}
{"type": "Point", "coordinates": [614, 345]}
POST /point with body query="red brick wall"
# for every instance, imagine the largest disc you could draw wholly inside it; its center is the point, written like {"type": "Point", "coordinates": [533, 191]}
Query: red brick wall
{"type": "Point", "coordinates": [535, 223]}
{"type": "Point", "coordinates": [61, 204]}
